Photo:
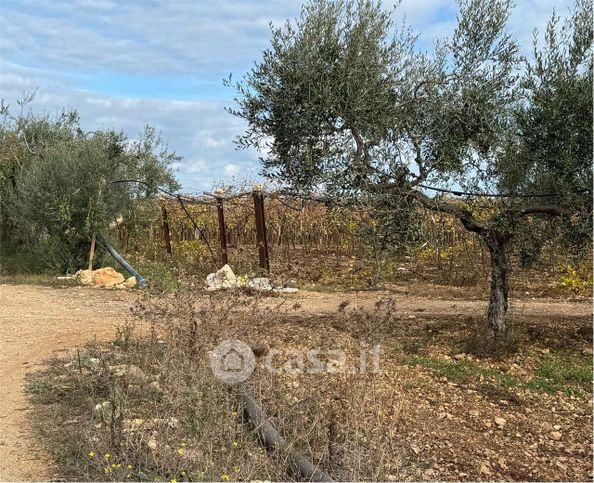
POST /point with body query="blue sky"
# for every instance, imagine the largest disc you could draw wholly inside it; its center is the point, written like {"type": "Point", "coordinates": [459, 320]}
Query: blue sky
{"type": "Point", "coordinates": [123, 64]}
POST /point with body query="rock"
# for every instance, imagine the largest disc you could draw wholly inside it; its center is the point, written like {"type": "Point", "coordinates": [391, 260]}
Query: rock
{"type": "Point", "coordinates": [286, 290]}
{"type": "Point", "coordinates": [459, 357]}
{"type": "Point", "coordinates": [555, 436]}
{"type": "Point", "coordinates": [222, 278]}
{"type": "Point", "coordinates": [415, 449]}
{"type": "Point", "coordinates": [500, 422]}
{"type": "Point", "coordinates": [85, 277]}
{"type": "Point", "coordinates": [107, 277]}
{"type": "Point", "coordinates": [134, 374]}
{"type": "Point", "coordinates": [473, 412]}
{"type": "Point", "coordinates": [132, 425]}
{"type": "Point", "coordinates": [152, 443]}
{"type": "Point", "coordinates": [485, 470]}
{"type": "Point", "coordinates": [587, 352]}
{"type": "Point", "coordinates": [402, 269]}
{"type": "Point", "coordinates": [262, 283]}
{"type": "Point", "coordinates": [103, 410]}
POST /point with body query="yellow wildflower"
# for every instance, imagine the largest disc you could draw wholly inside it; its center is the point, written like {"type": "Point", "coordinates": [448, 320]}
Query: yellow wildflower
{"type": "Point", "coordinates": [91, 454]}
{"type": "Point", "coordinates": [128, 475]}
{"type": "Point", "coordinates": [174, 480]}
{"type": "Point", "coordinates": [235, 444]}
{"type": "Point", "coordinates": [236, 469]}
{"type": "Point", "coordinates": [225, 477]}
{"type": "Point", "coordinates": [129, 467]}
{"type": "Point", "coordinates": [106, 456]}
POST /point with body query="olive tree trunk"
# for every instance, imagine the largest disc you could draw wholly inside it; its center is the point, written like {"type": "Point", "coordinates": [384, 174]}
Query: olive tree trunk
{"type": "Point", "coordinates": [498, 302]}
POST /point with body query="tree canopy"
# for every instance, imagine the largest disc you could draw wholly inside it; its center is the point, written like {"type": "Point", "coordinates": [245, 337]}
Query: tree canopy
{"type": "Point", "coordinates": [345, 101]}
{"type": "Point", "coordinates": [58, 182]}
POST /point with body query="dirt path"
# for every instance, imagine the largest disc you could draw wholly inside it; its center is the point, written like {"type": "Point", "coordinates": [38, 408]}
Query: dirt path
{"type": "Point", "coordinates": [36, 322]}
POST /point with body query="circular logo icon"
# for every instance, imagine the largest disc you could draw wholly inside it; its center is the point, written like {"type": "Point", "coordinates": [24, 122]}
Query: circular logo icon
{"type": "Point", "coordinates": [232, 361]}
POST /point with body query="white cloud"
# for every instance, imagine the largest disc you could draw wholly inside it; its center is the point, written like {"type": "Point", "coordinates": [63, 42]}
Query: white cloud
{"type": "Point", "coordinates": [232, 169]}
{"type": "Point", "coordinates": [57, 46]}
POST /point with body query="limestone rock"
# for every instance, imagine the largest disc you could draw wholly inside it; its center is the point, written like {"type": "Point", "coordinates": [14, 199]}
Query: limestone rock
{"type": "Point", "coordinates": [261, 283]}
{"type": "Point", "coordinates": [131, 282]}
{"type": "Point", "coordinates": [222, 278]}
{"type": "Point", "coordinates": [84, 277]}
{"type": "Point", "coordinates": [134, 374]}
{"type": "Point", "coordinates": [107, 277]}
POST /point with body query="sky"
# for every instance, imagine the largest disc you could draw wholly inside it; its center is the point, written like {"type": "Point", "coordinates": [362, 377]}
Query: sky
{"type": "Point", "coordinates": [124, 64]}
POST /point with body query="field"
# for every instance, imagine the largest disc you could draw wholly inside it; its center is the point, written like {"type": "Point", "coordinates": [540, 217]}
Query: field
{"type": "Point", "coordinates": [440, 409]}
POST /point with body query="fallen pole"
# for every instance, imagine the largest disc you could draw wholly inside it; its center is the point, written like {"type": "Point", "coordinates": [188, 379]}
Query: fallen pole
{"type": "Point", "coordinates": [122, 261]}
{"type": "Point", "coordinates": [273, 441]}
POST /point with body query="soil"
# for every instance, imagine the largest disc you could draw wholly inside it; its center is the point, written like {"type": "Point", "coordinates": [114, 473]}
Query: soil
{"type": "Point", "coordinates": [38, 323]}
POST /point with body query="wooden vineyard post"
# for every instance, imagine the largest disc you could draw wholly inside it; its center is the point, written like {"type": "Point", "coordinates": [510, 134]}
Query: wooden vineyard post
{"type": "Point", "coordinates": [261, 228]}
{"type": "Point", "coordinates": [92, 251]}
{"type": "Point", "coordinates": [166, 234]}
{"type": "Point", "coordinates": [222, 231]}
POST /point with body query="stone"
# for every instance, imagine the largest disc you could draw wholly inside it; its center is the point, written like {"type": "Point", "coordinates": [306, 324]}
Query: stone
{"type": "Point", "coordinates": [222, 278]}
{"type": "Point", "coordinates": [286, 290]}
{"type": "Point", "coordinates": [103, 410]}
{"type": "Point", "coordinates": [261, 283]}
{"type": "Point", "coordinates": [500, 422]}
{"type": "Point", "coordinates": [131, 282]}
{"type": "Point", "coordinates": [459, 357]}
{"type": "Point", "coordinates": [134, 374]}
{"type": "Point", "coordinates": [152, 443]}
{"type": "Point", "coordinates": [84, 277]}
{"type": "Point", "coordinates": [485, 470]}
{"type": "Point", "coordinates": [107, 277]}
{"type": "Point", "coordinates": [132, 425]}
{"type": "Point", "coordinates": [555, 436]}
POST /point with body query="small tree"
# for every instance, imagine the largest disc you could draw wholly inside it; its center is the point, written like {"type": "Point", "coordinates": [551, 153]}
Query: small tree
{"type": "Point", "coordinates": [58, 183]}
{"type": "Point", "coordinates": [344, 101]}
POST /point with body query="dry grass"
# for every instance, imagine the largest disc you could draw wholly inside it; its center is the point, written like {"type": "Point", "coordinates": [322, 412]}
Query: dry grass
{"type": "Point", "coordinates": [428, 415]}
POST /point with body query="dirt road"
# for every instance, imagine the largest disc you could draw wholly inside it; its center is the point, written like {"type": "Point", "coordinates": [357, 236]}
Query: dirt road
{"type": "Point", "coordinates": [36, 322]}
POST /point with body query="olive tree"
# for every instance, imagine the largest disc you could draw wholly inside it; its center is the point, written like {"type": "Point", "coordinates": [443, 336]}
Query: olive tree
{"type": "Point", "coordinates": [59, 184]}
{"type": "Point", "coordinates": [345, 101]}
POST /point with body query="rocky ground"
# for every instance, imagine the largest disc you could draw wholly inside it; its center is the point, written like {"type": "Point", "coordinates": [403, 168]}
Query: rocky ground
{"type": "Point", "coordinates": [434, 412]}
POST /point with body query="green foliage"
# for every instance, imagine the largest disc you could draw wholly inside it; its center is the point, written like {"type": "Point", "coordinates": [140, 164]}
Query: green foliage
{"type": "Point", "coordinates": [573, 281]}
{"type": "Point", "coordinates": [60, 186]}
{"type": "Point", "coordinates": [344, 101]}
{"type": "Point", "coordinates": [559, 371]}
{"type": "Point", "coordinates": [563, 371]}
{"type": "Point", "coordinates": [461, 371]}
